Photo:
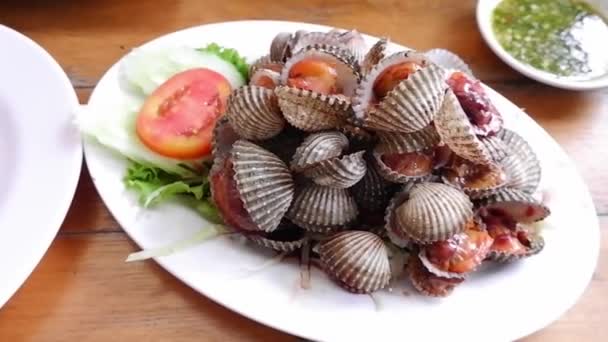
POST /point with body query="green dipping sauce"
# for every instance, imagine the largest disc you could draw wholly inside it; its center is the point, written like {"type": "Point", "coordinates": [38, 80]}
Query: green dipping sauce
{"type": "Point", "coordinates": [563, 37]}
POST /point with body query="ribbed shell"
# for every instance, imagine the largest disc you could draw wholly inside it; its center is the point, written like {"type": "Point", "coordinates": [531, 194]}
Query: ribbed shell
{"type": "Point", "coordinates": [280, 47]}
{"type": "Point", "coordinates": [264, 184]}
{"type": "Point", "coordinates": [318, 147]}
{"type": "Point", "coordinates": [420, 278]}
{"type": "Point", "coordinates": [395, 142]}
{"type": "Point", "coordinates": [351, 41]}
{"type": "Point", "coordinates": [337, 172]}
{"type": "Point", "coordinates": [448, 60]}
{"type": "Point", "coordinates": [407, 108]}
{"type": "Point", "coordinates": [456, 131]}
{"type": "Point", "coordinates": [394, 176]}
{"type": "Point", "coordinates": [224, 137]}
{"type": "Point", "coordinates": [358, 260]}
{"type": "Point", "coordinates": [311, 111]}
{"type": "Point", "coordinates": [434, 212]}
{"type": "Point", "coordinates": [274, 241]}
{"type": "Point", "coordinates": [436, 270]}
{"type": "Point", "coordinates": [372, 192]}
{"type": "Point", "coordinates": [496, 147]}
{"type": "Point", "coordinates": [522, 165]}
{"type": "Point", "coordinates": [321, 206]}
{"type": "Point", "coordinates": [375, 54]}
{"type": "Point", "coordinates": [254, 113]}
{"type": "Point", "coordinates": [394, 233]}
{"type": "Point", "coordinates": [521, 206]}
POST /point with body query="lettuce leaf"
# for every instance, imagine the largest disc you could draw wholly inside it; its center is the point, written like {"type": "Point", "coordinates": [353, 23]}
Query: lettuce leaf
{"type": "Point", "coordinates": [231, 56]}
{"type": "Point", "coordinates": [154, 185]}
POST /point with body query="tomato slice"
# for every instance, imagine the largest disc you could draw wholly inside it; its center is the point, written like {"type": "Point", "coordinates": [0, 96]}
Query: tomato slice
{"type": "Point", "coordinates": [177, 119]}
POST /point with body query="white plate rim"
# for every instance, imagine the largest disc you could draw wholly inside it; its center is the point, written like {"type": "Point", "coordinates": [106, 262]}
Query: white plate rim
{"type": "Point", "coordinates": [512, 335]}
{"type": "Point", "coordinates": [26, 258]}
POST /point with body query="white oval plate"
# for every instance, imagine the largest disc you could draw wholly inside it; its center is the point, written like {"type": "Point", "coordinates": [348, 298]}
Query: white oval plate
{"type": "Point", "coordinates": [495, 304]}
{"type": "Point", "coordinates": [40, 155]}
{"type": "Point", "coordinates": [485, 8]}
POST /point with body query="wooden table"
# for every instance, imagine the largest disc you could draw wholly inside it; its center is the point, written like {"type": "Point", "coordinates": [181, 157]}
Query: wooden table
{"type": "Point", "coordinates": [83, 289]}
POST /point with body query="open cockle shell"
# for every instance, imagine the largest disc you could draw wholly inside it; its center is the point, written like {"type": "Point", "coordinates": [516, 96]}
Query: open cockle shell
{"type": "Point", "coordinates": [322, 207]}
{"type": "Point", "coordinates": [521, 166]}
{"type": "Point", "coordinates": [286, 238]}
{"type": "Point", "coordinates": [358, 260]}
{"type": "Point", "coordinates": [397, 177]}
{"type": "Point", "coordinates": [396, 142]}
{"type": "Point", "coordinates": [375, 54]}
{"type": "Point", "coordinates": [318, 147]}
{"type": "Point", "coordinates": [535, 245]}
{"type": "Point", "coordinates": [457, 132]}
{"type": "Point", "coordinates": [410, 106]}
{"type": "Point", "coordinates": [474, 179]}
{"type": "Point", "coordinates": [338, 172]}
{"type": "Point", "coordinates": [311, 111]}
{"type": "Point", "coordinates": [448, 60]}
{"type": "Point", "coordinates": [434, 212]}
{"type": "Point", "coordinates": [427, 283]}
{"type": "Point", "coordinates": [254, 113]}
{"type": "Point", "coordinates": [344, 64]}
{"type": "Point", "coordinates": [264, 184]}
{"type": "Point", "coordinates": [515, 204]}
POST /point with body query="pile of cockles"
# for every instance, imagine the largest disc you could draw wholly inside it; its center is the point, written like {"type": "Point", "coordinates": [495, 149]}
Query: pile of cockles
{"type": "Point", "coordinates": [358, 154]}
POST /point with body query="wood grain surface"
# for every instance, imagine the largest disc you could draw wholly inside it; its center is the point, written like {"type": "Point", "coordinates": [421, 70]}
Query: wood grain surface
{"type": "Point", "coordinates": [82, 289]}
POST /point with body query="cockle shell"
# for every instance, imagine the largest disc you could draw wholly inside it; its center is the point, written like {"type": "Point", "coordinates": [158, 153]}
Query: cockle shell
{"type": "Point", "coordinates": [448, 60]}
{"type": "Point", "coordinates": [427, 283]}
{"type": "Point", "coordinates": [264, 183]}
{"type": "Point", "coordinates": [486, 179]}
{"type": "Point", "coordinates": [517, 204]}
{"type": "Point", "coordinates": [318, 147]}
{"type": "Point", "coordinates": [261, 76]}
{"type": "Point", "coordinates": [496, 147]}
{"type": "Point", "coordinates": [286, 238]}
{"type": "Point", "coordinates": [375, 54]}
{"type": "Point", "coordinates": [311, 111]}
{"type": "Point", "coordinates": [397, 177]}
{"type": "Point", "coordinates": [280, 48]}
{"type": "Point", "coordinates": [254, 113]}
{"type": "Point", "coordinates": [396, 142]}
{"type": "Point", "coordinates": [358, 260]}
{"type": "Point", "coordinates": [537, 244]}
{"type": "Point", "coordinates": [321, 208]}
{"type": "Point", "coordinates": [521, 166]}
{"type": "Point", "coordinates": [434, 212]}
{"type": "Point", "coordinates": [457, 132]}
{"type": "Point", "coordinates": [393, 231]}
{"type": "Point", "coordinates": [224, 137]}
{"type": "Point", "coordinates": [372, 192]}
{"type": "Point", "coordinates": [338, 172]}
{"type": "Point", "coordinates": [408, 107]}
{"type": "Point", "coordinates": [265, 62]}
{"type": "Point", "coordinates": [351, 41]}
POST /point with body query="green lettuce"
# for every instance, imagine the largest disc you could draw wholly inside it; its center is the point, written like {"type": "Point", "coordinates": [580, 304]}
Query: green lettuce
{"type": "Point", "coordinates": [154, 185]}
{"type": "Point", "coordinates": [231, 56]}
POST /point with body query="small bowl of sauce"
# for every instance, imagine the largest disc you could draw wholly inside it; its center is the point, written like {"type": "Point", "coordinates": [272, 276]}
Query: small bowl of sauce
{"type": "Point", "coordinates": [562, 43]}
